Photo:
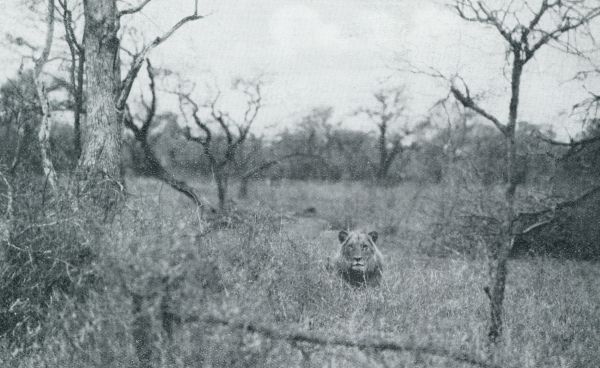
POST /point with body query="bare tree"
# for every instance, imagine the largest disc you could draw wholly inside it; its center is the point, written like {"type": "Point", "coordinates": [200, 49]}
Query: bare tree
{"type": "Point", "coordinates": [234, 132]}
{"type": "Point", "coordinates": [547, 24]}
{"type": "Point", "coordinates": [153, 166]}
{"type": "Point", "coordinates": [101, 131]}
{"type": "Point", "coordinates": [44, 131]}
{"type": "Point", "coordinates": [387, 115]}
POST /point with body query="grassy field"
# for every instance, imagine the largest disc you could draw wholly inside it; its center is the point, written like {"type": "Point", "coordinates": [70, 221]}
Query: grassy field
{"type": "Point", "coordinates": [268, 267]}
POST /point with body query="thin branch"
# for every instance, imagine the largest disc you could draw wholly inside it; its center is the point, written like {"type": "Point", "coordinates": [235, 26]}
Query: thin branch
{"type": "Point", "coordinates": [133, 10]}
{"type": "Point", "coordinates": [153, 164]}
{"type": "Point", "coordinates": [466, 100]}
{"type": "Point", "coordinates": [551, 212]}
{"type": "Point", "coordinates": [219, 117]}
{"type": "Point", "coordinates": [572, 143]}
{"type": "Point", "coordinates": [567, 24]}
{"type": "Point", "coordinates": [151, 110]}
{"type": "Point", "coordinates": [139, 58]}
{"type": "Point", "coordinates": [480, 14]}
{"type": "Point", "coordinates": [195, 109]}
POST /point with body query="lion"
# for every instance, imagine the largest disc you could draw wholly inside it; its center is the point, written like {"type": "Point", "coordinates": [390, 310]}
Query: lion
{"type": "Point", "coordinates": [359, 263]}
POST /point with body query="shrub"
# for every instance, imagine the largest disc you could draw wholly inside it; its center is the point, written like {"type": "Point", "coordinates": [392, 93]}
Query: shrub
{"type": "Point", "coordinates": [49, 254]}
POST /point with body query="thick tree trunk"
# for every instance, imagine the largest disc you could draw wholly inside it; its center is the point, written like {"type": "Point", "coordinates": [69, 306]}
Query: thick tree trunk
{"type": "Point", "coordinates": [101, 132]}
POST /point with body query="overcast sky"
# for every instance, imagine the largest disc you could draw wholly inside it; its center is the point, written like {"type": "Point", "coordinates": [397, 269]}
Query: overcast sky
{"type": "Point", "coordinates": [337, 52]}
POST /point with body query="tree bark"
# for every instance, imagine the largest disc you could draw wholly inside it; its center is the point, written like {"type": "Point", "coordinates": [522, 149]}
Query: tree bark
{"type": "Point", "coordinates": [101, 132]}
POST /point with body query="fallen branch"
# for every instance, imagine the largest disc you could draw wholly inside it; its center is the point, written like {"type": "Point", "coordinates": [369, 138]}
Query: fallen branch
{"type": "Point", "coordinates": [374, 343]}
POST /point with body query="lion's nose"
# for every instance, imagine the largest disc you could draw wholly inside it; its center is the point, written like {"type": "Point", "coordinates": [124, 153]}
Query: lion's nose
{"type": "Point", "coordinates": [357, 259]}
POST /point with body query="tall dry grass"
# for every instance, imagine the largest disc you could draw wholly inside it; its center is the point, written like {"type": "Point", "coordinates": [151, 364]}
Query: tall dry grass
{"type": "Point", "coordinates": [268, 266]}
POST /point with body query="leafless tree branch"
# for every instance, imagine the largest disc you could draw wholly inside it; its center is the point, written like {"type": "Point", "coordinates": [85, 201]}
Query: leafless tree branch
{"type": "Point", "coordinates": [154, 167]}
{"type": "Point", "coordinates": [134, 9]}
{"type": "Point", "coordinates": [141, 56]}
{"type": "Point", "coordinates": [467, 101]}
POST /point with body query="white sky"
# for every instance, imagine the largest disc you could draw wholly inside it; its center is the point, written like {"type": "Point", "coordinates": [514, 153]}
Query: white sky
{"type": "Point", "coordinates": [337, 52]}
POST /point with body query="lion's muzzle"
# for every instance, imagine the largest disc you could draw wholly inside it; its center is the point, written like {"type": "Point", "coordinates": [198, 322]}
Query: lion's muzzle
{"type": "Point", "coordinates": [358, 264]}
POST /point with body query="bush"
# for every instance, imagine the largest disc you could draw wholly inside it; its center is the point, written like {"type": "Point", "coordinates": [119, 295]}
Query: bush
{"type": "Point", "coordinates": [49, 254]}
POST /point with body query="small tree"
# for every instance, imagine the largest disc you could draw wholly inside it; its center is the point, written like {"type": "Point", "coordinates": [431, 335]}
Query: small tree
{"type": "Point", "coordinates": [234, 132]}
{"type": "Point", "coordinates": [547, 24]}
{"type": "Point", "coordinates": [392, 127]}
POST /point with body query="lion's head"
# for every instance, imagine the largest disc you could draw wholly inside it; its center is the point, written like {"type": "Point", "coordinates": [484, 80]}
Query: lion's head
{"type": "Point", "coordinates": [359, 261]}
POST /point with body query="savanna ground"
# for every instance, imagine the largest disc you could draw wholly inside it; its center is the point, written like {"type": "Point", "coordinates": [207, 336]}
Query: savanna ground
{"type": "Point", "coordinates": [267, 265]}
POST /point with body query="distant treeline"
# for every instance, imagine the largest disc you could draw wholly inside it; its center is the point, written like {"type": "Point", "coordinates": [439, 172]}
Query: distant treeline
{"type": "Point", "coordinates": [315, 149]}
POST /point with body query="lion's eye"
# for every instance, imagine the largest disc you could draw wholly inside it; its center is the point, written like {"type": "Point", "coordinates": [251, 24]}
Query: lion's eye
{"type": "Point", "coordinates": [365, 247]}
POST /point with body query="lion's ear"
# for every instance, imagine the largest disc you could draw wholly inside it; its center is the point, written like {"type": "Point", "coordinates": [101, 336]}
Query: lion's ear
{"type": "Point", "coordinates": [342, 236]}
{"type": "Point", "coordinates": [374, 236]}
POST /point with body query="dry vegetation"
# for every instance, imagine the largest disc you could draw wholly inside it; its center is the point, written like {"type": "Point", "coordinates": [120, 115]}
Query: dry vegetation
{"type": "Point", "coordinates": [162, 272]}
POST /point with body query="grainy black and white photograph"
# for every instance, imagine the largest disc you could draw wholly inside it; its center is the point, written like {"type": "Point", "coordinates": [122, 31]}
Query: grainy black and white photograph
{"type": "Point", "coordinates": [300, 183]}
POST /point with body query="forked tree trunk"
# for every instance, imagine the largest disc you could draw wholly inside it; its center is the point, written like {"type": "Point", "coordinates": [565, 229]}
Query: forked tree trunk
{"type": "Point", "coordinates": [101, 130]}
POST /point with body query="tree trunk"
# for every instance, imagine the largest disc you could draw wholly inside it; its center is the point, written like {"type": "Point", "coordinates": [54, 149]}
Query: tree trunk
{"type": "Point", "coordinates": [243, 192]}
{"type": "Point", "coordinates": [500, 254]}
{"type": "Point", "coordinates": [44, 136]}
{"type": "Point", "coordinates": [221, 180]}
{"type": "Point", "coordinates": [44, 132]}
{"type": "Point", "coordinates": [101, 132]}
{"type": "Point", "coordinates": [381, 171]}
{"type": "Point", "coordinates": [78, 105]}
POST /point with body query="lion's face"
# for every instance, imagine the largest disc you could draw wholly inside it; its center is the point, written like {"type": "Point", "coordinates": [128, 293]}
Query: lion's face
{"type": "Point", "coordinates": [359, 251]}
